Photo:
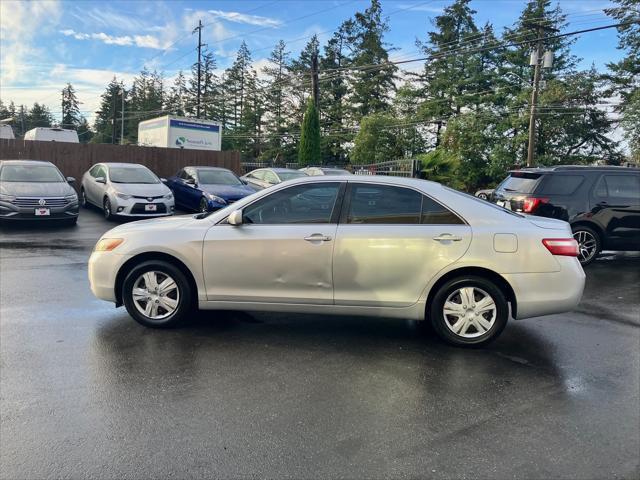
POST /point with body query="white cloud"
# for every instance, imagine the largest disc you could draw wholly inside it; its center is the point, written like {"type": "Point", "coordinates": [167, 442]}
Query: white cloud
{"type": "Point", "coordinates": [142, 41]}
{"type": "Point", "coordinates": [238, 17]}
{"type": "Point", "coordinates": [20, 22]}
{"type": "Point", "coordinates": [107, 18]}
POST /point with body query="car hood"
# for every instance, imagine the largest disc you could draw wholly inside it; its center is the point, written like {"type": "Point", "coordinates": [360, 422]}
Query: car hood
{"type": "Point", "coordinates": [228, 191]}
{"type": "Point", "coordinates": [151, 225]}
{"type": "Point", "coordinates": [142, 189]}
{"type": "Point", "coordinates": [33, 189]}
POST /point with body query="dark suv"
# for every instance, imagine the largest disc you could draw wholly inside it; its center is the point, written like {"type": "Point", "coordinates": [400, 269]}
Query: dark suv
{"type": "Point", "coordinates": [602, 204]}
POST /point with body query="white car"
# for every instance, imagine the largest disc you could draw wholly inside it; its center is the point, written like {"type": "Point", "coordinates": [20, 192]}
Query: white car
{"type": "Point", "coordinates": [126, 190]}
{"type": "Point", "coordinates": [375, 246]}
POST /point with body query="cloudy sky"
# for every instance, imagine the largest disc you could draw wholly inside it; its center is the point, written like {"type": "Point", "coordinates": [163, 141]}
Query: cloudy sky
{"type": "Point", "coordinates": [45, 44]}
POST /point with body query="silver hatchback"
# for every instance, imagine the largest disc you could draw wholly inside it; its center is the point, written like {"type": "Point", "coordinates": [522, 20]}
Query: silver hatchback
{"type": "Point", "coordinates": [375, 246]}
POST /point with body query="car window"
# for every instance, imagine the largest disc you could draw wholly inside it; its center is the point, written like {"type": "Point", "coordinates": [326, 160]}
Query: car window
{"type": "Point", "coordinates": [132, 175]}
{"type": "Point", "coordinates": [561, 184]}
{"type": "Point", "coordinates": [270, 177]}
{"type": "Point", "coordinates": [520, 182]}
{"type": "Point", "coordinates": [218, 177]}
{"type": "Point", "coordinates": [94, 171]}
{"type": "Point", "coordinates": [284, 176]}
{"type": "Point", "coordinates": [257, 174]}
{"type": "Point", "coordinates": [31, 173]}
{"type": "Point", "coordinates": [384, 204]}
{"type": "Point", "coordinates": [298, 204]}
{"type": "Point", "coordinates": [101, 172]}
{"type": "Point", "coordinates": [619, 186]}
{"type": "Point", "coordinates": [435, 214]}
{"type": "Point", "coordinates": [182, 174]}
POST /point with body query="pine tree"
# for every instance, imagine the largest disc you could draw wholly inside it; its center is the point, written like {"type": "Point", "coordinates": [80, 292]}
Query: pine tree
{"type": "Point", "coordinates": [38, 116]}
{"type": "Point", "coordinates": [624, 79]}
{"type": "Point", "coordinates": [372, 87]}
{"type": "Point", "coordinates": [110, 108]}
{"type": "Point", "coordinates": [70, 108]}
{"type": "Point", "coordinates": [236, 78]}
{"type": "Point", "coordinates": [178, 96]}
{"type": "Point", "coordinates": [309, 147]}
{"type": "Point", "coordinates": [276, 90]}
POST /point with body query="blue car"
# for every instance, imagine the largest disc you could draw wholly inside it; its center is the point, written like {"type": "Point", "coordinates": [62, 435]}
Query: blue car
{"type": "Point", "coordinates": [204, 189]}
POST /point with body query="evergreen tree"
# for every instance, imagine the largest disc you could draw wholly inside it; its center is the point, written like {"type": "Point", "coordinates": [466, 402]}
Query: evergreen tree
{"type": "Point", "coordinates": [70, 108]}
{"type": "Point", "coordinates": [110, 108]}
{"type": "Point", "coordinates": [85, 134]}
{"type": "Point", "coordinates": [276, 90]}
{"type": "Point", "coordinates": [209, 89]}
{"type": "Point", "coordinates": [178, 96]}
{"type": "Point", "coordinates": [377, 140]}
{"type": "Point", "coordinates": [372, 87]}
{"type": "Point", "coordinates": [624, 79]}
{"type": "Point", "coordinates": [309, 147]}
{"type": "Point", "coordinates": [38, 116]}
{"type": "Point", "coordinates": [236, 79]}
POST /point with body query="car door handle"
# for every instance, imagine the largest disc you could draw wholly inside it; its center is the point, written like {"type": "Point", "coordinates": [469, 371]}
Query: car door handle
{"type": "Point", "coordinates": [318, 237]}
{"type": "Point", "coordinates": [447, 237]}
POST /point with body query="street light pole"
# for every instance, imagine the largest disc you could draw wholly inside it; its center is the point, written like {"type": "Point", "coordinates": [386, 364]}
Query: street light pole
{"type": "Point", "coordinates": [122, 114]}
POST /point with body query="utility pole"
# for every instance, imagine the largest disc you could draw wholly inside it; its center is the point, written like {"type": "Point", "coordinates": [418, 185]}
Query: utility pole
{"type": "Point", "coordinates": [536, 59]}
{"type": "Point", "coordinates": [200, 45]}
{"type": "Point", "coordinates": [113, 120]}
{"type": "Point", "coordinates": [122, 114]}
{"type": "Point", "coordinates": [315, 88]}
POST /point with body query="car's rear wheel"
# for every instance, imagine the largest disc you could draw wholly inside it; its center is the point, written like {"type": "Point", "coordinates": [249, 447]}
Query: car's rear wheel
{"type": "Point", "coordinates": [157, 294]}
{"type": "Point", "coordinates": [204, 205]}
{"type": "Point", "coordinates": [106, 208]}
{"type": "Point", "coordinates": [469, 311]}
{"type": "Point", "coordinates": [589, 244]}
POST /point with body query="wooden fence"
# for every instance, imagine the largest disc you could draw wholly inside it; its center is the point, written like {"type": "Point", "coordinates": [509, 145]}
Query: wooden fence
{"type": "Point", "coordinates": [73, 159]}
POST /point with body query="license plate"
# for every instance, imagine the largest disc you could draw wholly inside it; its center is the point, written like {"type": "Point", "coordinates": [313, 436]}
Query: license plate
{"type": "Point", "coordinates": [500, 203]}
{"type": "Point", "coordinates": [42, 212]}
{"type": "Point", "coordinates": [151, 207]}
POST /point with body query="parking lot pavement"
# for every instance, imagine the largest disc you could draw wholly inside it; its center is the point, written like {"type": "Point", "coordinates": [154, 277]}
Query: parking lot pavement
{"type": "Point", "coordinates": [86, 392]}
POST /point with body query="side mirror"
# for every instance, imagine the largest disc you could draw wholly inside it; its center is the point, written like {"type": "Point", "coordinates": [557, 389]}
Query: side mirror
{"type": "Point", "coordinates": [163, 180]}
{"type": "Point", "coordinates": [190, 181]}
{"type": "Point", "coordinates": [71, 180]}
{"type": "Point", "coordinates": [235, 218]}
{"type": "Point", "coordinates": [101, 180]}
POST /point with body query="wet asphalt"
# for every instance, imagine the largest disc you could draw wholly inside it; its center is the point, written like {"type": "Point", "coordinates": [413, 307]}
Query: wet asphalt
{"type": "Point", "coordinates": [87, 392]}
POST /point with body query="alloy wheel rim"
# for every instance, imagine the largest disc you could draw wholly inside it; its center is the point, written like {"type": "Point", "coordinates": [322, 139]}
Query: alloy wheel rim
{"type": "Point", "coordinates": [587, 245]}
{"type": "Point", "coordinates": [203, 206]}
{"type": "Point", "coordinates": [84, 197]}
{"type": "Point", "coordinates": [155, 295]}
{"type": "Point", "coordinates": [469, 312]}
{"type": "Point", "coordinates": [107, 208]}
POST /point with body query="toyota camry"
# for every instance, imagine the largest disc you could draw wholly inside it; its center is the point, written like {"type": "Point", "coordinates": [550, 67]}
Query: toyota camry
{"type": "Point", "coordinates": [374, 246]}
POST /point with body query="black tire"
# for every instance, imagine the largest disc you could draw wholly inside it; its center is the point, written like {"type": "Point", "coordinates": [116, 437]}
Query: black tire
{"type": "Point", "coordinates": [443, 325]}
{"type": "Point", "coordinates": [106, 208]}
{"type": "Point", "coordinates": [83, 199]}
{"type": "Point", "coordinates": [72, 222]}
{"type": "Point", "coordinates": [184, 294]}
{"type": "Point", "coordinates": [483, 196]}
{"type": "Point", "coordinates": [589, 242]}
{"type": "Point", "coordinates": [204, 205]}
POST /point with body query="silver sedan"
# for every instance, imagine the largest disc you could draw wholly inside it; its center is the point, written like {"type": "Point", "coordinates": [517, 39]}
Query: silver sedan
{"type": "Point", "coordinates": [373, 246]}
{"type": "Point", "coordinates": [126, 190]}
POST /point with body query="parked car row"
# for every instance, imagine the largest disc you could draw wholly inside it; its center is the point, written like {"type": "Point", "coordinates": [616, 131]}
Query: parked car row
{"type": "Point", "coordinates": [37, 190]}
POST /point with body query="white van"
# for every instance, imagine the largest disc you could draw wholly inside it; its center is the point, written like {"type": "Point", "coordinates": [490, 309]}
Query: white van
{"type": "Point", "coordinates": [46, 134]}
{"type": "Point", "coordinates": [6, 132]}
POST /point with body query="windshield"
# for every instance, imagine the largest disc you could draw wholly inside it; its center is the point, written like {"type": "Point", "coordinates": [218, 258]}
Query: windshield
{"type": "Point", "coordinates": [218, 177]}
{"type": "Point", "coordinates": [31, 173]}
{"type": "Point", "coordinates": [520, 182]}
{"type": "Point", "coordinates": [290, 175]}
{"type": "Point", "coordinates": [131, 175]}
{"type": "Point", "coordinates": [335, 171]}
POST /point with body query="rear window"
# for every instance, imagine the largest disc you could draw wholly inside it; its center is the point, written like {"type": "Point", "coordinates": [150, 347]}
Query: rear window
{"type": "Point", "coordinates": [520, 182]}
{"type": "Point", "coordinates": [561, 184]}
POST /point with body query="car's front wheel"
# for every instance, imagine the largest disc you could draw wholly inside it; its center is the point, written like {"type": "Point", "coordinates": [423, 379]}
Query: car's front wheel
{"type": "Point", "coordinates": [204, 205]}
{"type": "Point", "coordinates": [469, 311]}
{"type": "Point", "coordinates": [106, 208]}
{"type": "Point", "coordinates": [83, 199]}
{"type": "Point", "coordinates": [157, 294]}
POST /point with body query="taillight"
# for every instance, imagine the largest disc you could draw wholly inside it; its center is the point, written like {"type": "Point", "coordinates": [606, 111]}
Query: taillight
{"type": "Point", "coordinates": [530, 204]}
{"type": "Point", "coordinates": [567, 247]}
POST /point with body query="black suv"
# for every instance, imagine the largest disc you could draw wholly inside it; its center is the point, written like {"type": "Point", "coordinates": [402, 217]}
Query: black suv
{"type": "Point", "coordinates": [602, 204]}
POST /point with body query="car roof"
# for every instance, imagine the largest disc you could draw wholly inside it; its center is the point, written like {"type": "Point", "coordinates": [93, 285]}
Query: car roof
{"type": "Point", "coordinates": [373, 179]}
{"type": "Point", "coordinates": [560, 168]}
{"type": "Point", "coordinates": [279, 169]}
{"type": "Point", "coordinates": [205, 167]}
{"type": "Point", "coordinates": [25, 162]}
{"type": "Point", "coordinates": [122, 164]}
